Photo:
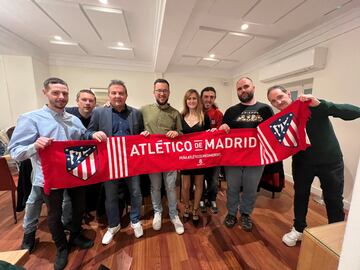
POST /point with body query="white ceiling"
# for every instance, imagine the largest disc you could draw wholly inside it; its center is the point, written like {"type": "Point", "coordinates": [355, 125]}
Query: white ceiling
{"type": "Point", "coordinates": [162, 35]}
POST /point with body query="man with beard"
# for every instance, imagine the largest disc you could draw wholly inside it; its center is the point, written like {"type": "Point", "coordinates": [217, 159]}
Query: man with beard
{"type": "Point", "coordinates": [161, 118]}
{"type": "Point", "coordinates": [35, 131]}
{"type": "Point", "coordinates": [247, 114]}
{"type": "Point", "coordinates": [86, 101]}
{"type": "Point", "coordinates": [322, 159]}
{"type": "Point", "coordinates": [208, 97]}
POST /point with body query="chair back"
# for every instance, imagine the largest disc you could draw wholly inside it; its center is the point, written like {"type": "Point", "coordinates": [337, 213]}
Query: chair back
{"type": "Point", "coordinates": [6, 179]}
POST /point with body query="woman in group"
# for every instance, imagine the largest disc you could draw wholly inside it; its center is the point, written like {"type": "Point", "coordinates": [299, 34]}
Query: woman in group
{"type": "Point", "coordinates": [193, 120]}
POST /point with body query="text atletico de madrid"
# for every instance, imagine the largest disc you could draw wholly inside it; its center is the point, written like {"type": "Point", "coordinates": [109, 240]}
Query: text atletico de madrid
{"type": "Point", "coordinates": [166, 147]}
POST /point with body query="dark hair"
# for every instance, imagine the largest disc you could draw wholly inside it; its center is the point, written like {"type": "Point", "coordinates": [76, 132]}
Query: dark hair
{"type": "Point", "coordinates": [282, 88]}
{"type": "Point", "coordinates": [53, 80]}
{"type": "Point", "coordinates": [162, 81]}
{"type": "Point", "coordinates": [207, 89]}
{"type": "Point", "coordinates": [117, 82]}
{"type": "Point", "coordinates": [9, 132]}
{"type": "Point", "coordinates": [85, 91]}
{"type": "Point", "coordinates": [246, 78]}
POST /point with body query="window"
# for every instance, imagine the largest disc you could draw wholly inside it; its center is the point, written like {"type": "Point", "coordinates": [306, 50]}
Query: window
{"type": "Point", "coordinates": [299, 87]}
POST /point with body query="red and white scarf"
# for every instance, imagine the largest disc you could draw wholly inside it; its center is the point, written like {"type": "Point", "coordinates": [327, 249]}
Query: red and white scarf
{"type": "Point", "coordinates": [69, 164]}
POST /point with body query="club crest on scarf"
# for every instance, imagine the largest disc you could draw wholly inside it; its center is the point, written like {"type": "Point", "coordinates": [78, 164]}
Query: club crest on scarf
{"type": "Point", "coordinates": [285, 130]}
{"type": "Point", "coordinates": [81, 161]}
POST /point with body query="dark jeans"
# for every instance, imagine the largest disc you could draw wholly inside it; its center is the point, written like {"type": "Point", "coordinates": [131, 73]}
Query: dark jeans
{"type": "Point", "coordinates": [115, 200]}
{"type": "Point", "coordinates": [331, 178]}
{"type": "Point", "coordinates": [54, 202]}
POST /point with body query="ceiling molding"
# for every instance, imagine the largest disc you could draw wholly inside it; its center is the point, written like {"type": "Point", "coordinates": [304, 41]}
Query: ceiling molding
{"type": "Point", "coordinates": [326, 31]}
{"type": "Point", "coordinates": [51, 18]}
{"type": "Point", "coordinates": [99, 62]}
{"type": "Point", "coordinates": [159, 14]}
{"type": "Point", "coordinates": [169, 31]}
{"type": "Point", "coordinates": [11, 43]}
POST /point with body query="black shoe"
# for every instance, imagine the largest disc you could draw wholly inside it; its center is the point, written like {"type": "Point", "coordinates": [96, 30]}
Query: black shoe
{"type": "Point", "coordinates": [61, 259]}
{"type": "Point", "coordinates": [195, 217]}
{"type": "Point", "coordinates": [28, 241]}
{"type": "Point", "coordinates": [80, 241]}
{"type": "Point", "coordinates": [186, 214]}
{"type": "Point", "coordinates": [230, 221]}
{"type": "Point", "coordinates": [246, 223]}
{"type": "Point", "coordinates": [202, 207]}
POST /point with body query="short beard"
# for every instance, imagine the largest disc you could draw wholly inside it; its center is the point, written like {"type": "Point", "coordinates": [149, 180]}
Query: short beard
{"type": "Point", "coordinates": [57, 106]}
{"type": "Point", "coordinates": [164, 103]}
{"type": "Point", "coordinates": [247, 97]}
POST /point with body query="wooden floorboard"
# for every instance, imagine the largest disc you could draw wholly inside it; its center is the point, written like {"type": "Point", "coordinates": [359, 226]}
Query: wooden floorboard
{"type": "Point", "coordinates": [210, 245]}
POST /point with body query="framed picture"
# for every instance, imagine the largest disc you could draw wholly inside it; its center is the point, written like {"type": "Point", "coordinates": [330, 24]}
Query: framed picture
{"type": "Point", "coordinates": [101, 94]}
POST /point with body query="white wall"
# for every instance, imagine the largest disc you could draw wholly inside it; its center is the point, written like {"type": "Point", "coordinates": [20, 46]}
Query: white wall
{"type": "Point", "coordinates": [350, 258]}
{"type": "Point", "coordinates": [181, 83]}
{"type": "Point", "coordinates": [139, 84]}
{"type": "Point", "coordinates": [17, 88]}
{"type": "Point", "coordinates": [6, 118]}
{"type": "Point", "coordinates": [21, 79]}
{"type": "Point", "coordinates": [41, 72]}
{"type": "Point", "coordinates": [338, 82]}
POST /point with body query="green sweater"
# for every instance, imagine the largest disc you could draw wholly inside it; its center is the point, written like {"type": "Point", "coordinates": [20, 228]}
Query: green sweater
{"type": "Point", "coordinates": [159, 119]}
{"type": "Point", "coordinates": [325, 148]}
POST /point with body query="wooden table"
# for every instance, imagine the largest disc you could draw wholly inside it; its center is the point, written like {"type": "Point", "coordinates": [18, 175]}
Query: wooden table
{"type": "Point", "coordinates": [18, 257]}
{"type": "Point", "coordinates": [321, 247]}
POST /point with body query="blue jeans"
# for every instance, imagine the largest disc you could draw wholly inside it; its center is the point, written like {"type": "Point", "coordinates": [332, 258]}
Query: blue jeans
{"type": "Point", "coordinates": [170, 186]}
{"type": "Point", "coordinates": [33, 210]}
{"type": "Point", "coordinates": [133, 184]}
{"type": "Point", "coordinates": [247, 177]}
{"type": "Point", "coordinates": [115, 192]}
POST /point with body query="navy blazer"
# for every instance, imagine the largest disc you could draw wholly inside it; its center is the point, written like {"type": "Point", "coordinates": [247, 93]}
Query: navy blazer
{"type": "Point", "coordinates": [101, 120]}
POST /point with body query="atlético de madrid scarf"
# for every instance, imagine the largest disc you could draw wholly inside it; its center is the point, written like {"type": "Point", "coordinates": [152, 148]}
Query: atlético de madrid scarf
{"type": "Point", "coordinates": [69, 164]}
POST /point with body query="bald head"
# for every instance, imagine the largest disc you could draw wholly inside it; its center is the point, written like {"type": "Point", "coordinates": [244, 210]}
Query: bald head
{"type": "Point", "coordinates": [245, 90]}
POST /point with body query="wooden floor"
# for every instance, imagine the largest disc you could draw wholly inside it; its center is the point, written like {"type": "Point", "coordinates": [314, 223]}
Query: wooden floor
{"type": "Point", "coordinates": [209, 246]}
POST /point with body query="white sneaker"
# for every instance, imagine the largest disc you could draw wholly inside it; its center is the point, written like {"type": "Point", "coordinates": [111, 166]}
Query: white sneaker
{"type": "Point", "coordinates": [157, 221]}
{"type": "Point", "coordinates": [179, 227]}
{"type": "Point", "coordinates": [109, 235]}
{"type": "Point", "coordinates": [292, 237]}
{"type": "Point", "coordinates": [138, 230]}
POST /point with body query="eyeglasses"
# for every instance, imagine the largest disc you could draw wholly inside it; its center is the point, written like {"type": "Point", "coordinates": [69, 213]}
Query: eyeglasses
{"type": "Point", "coordinates": [162, 91]}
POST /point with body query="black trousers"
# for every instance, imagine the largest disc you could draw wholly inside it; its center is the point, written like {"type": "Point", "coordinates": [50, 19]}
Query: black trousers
{"type": "Point", "coordinates": [54, 204]}
{"type": "Point", "coordinates": [211, 176]}
{"type": "Point", "coordinates": [331, 178]}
